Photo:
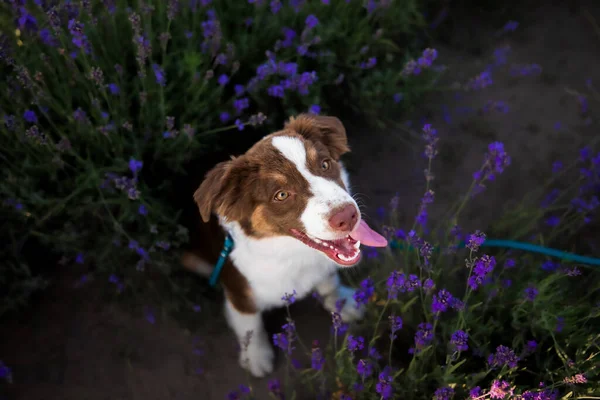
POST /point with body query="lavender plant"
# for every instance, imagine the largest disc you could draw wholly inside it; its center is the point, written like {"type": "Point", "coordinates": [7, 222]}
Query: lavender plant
{"type": "Point", "coordinates": [447, 321]}
{"type": "Point", "coordinates": [103, 103]}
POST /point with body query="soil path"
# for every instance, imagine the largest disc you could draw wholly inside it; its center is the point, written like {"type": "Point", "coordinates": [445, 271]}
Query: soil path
{"type": "Point", "coordinates": [75, 347]}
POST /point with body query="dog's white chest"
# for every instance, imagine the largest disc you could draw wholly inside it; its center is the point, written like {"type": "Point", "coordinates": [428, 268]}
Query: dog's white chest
{"type": "Point", "coordinates": [278, 266]}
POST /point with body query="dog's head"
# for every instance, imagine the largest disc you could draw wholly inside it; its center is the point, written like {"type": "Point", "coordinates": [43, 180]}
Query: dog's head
{"type": "Point", "coordinates": [291, 183]}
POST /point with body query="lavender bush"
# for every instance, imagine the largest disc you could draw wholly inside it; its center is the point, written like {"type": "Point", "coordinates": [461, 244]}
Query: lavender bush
{"type": "Point", "coordinates": [449, 318]}
{"type": "Point", "coordinates": [104, 102]}
{"type": "Point", "coordinates": [451, 321]}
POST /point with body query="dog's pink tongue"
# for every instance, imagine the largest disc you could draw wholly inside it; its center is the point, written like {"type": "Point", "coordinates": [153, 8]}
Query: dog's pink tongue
{"type": "Point", "coordinates": [368, 236]}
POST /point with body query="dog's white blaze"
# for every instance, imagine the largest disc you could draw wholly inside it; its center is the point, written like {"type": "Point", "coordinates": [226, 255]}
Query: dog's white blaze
{"type": "Point", "coordinates": [326, 194]}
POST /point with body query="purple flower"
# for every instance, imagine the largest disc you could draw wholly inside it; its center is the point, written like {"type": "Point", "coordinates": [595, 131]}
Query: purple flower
{"type": "Point", "coordinates": [424, 335]}
{"type": "Point", "coordinates": [241, 104]}
{"type": "Point", "coordinates": [497, 157]}
{"type": "Point", "coordinates": [496, 160]}
{"type": "Point", "coordinates": [317, 359]}
{"type": "Point", "coordinates": [443, 393]}
{"type": "Point", "coordinates": [150, 315]}
{"type": "Point", "coordinates": [336, 320]}
{"type": "Point", "coordinates": [79, 39]}
{"type": "Point", "coordinates": [30, 117]}
{"type": "Point", "coordinates": [560, 324]}
{"type": "Point", "coordinates": [397, 97]}
{"type": "Point", "coordinates": [411, 68]}
{"type": "Point", "coordinates": [475, 241]}
{"type": "Point", "coordinates": [384, 385]}
{"type": "Point", "coordinates": [223, 80]}
{"type": "Point", "coordinates": [510, 26]}
{"type": "Point", "coordinates": [428, 285]}
{"type": "Point", "coordinates": [364, 368]}
{"type": "Point", "coordinates": [482, 268]}
{"type": "Point", "coordinates": [142, 210]}
{"type": "Point", "coordinates": [274, 387]}
{"type": "Point", "coordinates": [475, 392]}
{"type": "Point", "coordinates": [365, 292]}
{"type": "Point", "coordinates": [135, 165]}
{"type": "Point", "coordinates": [412, 283]}
{"type": "Point", "coordinates": [553, 220]}
{"type": "Point", "coordinates": [5, 372]}
{"type": "Point", "coordinates": [509, 263]}
{"type": "Point", "coordinates": [550, 265]}
{"type": "Point", "coordinates": [48, 38]}
{"type": "Point", "coordinates": [374, 354]}
{"type": "Point", "coordinates": [395, 326]}
{"type": "Point", "coordinates": [428, 57]}
{"type": "Point", "coordinates": [460, 340]}
{"type": "Point", "coordinates": [355, 343]}
{"type": "Point", "coordinates": [113, 88]}
{"type": "Point", "coordinates": [315, 109]}
{"type": "Point", "coordinates": [289, 36]}
{"type": "Point", "coordinates": [531, 293]}
{"type": "Point", "coordinates": [530, 347]}
{"type": "Point", "coordinates": [26, 21]}
{"type": "Point", "coordinates": [480, 81]}
{"type": "Point", "coordinates": [276, 91]}
{"type": "Point", "coordinates": [79, 115]}
{"type": "Point", "coordinates": [557, 166]}
{"type": "Point", "coordinates": [503, 356]}
{"type": "Point", "coordinates": [79, 259]}
{"type": "Point", "coordinates": [371, 62]}
{"type": "Point", "coordinates": [289, 298]}
{"type": "Point", "coordinates": [311, 21]}
{"type": "Point", "coordinates": [500, 389]}
{"type": "Point", "coordinates": [275, 6]}
{"type": "Point", "coordinates": [239, 90]}
{"type": "Point", "coordinates": [239, 124]}
{"type": "Point", "coordinates": [225, 116]}
{"type": "Point", "coordinates": [394, 284]}
{"type": "Point", "coordinates": [159, 74]}
{"type": "Point", "coordinates": [546, 394]}
{"type": "Point", "coordinates": [285, 339]}
{"type": "Point", "coordinates": [422, 220]}
{"type": "Point", "coordinates": [441, 301]}
{"type": "Point", "coordinates": [431, 138]}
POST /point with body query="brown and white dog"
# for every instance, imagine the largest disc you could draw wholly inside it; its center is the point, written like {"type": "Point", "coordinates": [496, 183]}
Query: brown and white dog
{"type": "Point", "coordinates": [286, 204]}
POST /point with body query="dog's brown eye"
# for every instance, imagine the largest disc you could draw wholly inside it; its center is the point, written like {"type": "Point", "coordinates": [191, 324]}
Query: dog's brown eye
{"type": "Point", "coordinates": [281, 195]}
{"type": "Point", "coordinates": [325, 165]}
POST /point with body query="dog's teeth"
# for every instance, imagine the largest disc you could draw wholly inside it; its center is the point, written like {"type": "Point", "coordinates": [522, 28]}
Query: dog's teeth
{"type": "Point", "coordinates": [357, 244]}
{"type": "Point", "coordinates": [343, 258]}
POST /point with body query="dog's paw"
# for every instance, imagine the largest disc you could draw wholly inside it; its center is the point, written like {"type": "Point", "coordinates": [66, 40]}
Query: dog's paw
{"type": "Point", "coordinates": [350, 310]}
{"type": "Point", "coordinates": [258, 358]}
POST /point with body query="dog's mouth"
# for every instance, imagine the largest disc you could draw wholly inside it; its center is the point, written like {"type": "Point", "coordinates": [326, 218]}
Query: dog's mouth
{"type": "Point", "coordinates": [344, 251]}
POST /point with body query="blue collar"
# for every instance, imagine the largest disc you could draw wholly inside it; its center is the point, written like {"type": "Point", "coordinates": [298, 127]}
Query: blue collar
{"type": "Point", "coordinates": [227, 247]}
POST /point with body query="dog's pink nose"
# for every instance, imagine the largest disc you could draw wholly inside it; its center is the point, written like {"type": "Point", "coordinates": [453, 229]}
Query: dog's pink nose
{"type": "Point", "coordinates": [344, 219]}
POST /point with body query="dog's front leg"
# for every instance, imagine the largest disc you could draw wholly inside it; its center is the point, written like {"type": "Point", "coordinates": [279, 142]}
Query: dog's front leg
{"type": "Point", "coordinates": [256, 353]}
{"type": "Point", "coordinates": [332, 291]}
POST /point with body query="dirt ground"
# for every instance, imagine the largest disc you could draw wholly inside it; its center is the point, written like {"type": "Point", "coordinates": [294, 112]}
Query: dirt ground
{"type": "Point", "coordinates": [75, 347]}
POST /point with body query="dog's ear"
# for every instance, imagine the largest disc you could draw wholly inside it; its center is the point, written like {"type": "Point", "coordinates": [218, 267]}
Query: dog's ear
{"type": "Point", "coordinates": [225, 190]}
{"type": "Point", "coordinates": [328, 130]}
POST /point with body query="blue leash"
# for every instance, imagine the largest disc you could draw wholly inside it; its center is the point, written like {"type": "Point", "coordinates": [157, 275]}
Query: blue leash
{"type": "Point", "coordinates": [532, 248]}
{"type": "Point", "coordinates": [227, 247]}
{"type": "Point", "coordinates": [509, 244]}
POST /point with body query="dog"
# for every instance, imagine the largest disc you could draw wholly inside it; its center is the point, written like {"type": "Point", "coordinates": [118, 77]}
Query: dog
{"type": "Point", "coordinates": [287, 206]}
